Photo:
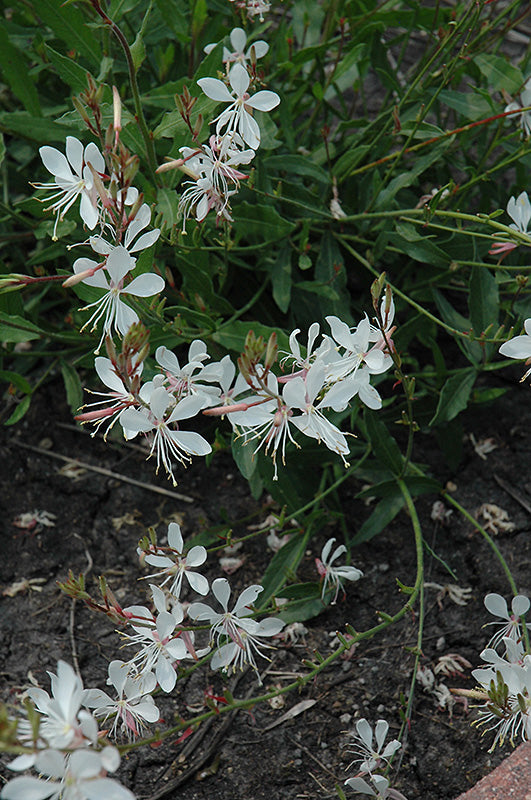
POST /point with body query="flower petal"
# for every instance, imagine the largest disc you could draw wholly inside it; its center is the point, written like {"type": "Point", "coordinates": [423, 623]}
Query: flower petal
{"type": "Point", "coordinates": [214, 89]}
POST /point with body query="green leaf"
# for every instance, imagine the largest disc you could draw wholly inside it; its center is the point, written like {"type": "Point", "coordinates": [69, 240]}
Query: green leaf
{"type": "Point", "coordinates": [281, 278]}
{"type": "Point", "coordinates": [15, 72]}
{"type": "Point", "coordinates": [296, 165]}
{"type": "Point", "coordinates": [416, 484]}
{"type": "Point", "coordinates": [499, 72]}
{"type": "Point", "coordinates": [301, 610]}
{"type": "Point", "coordinates": [258, 223]}
{"type": "Point", "coordinates": [301, 591]}
{"type": "Point", "coordinates": [232, 337]}
{"type": "Point", "coordinates": [405, 179]}
{"type": "Point", "coordinates": [17, 380]}
{"type": "Point", "coordinates": [69, 24]}
{"type": "Point", "coordinates": [348, 162]}
{"type": "Point", "coordinates": [173, 125]}
{"type": "Point", "coordinates": [384, 446]}
{"type": "Point", "coordinates": [19, 411]}
{"type": "Point", "coordinates": [349, 59]}
{"type": "Point", "coordinates": [283, 566]}
{"type": "Point", "coordinates": [408, 240]}
{"type": "Point", "coordinates": [175, 15]}
{"type": "Point", "coordinates": [244, 457]}
{"type": "Point", "coordinates": [168, 206]}
{"type": "Point", "coordinates": [384, 512]}
{"type": "Point", "coordinates": [38, 129]}
{"type": "Point", "coordinates": [483, 299]}
{"type": "Point", "coordinates": [74, 389]}
{"type": "Point", "coordinates": [138, 52]}
{"type": "Point", "coordinates": [199, 16]}
{"type": "Point", "coordinates": [330, 270]}
{"type": "Point", "coordinates": [68, 70]}
{"type": "Point", "coordinates": [449, 313]}
{"type": "Point", "coordinates": [454, 396]}
{"type": "Point", "coordinates": [18, 329]}
{"type": "Point", "coordinates": [2, 148]}
{"type": "Point", "coordinates": [471, 106]}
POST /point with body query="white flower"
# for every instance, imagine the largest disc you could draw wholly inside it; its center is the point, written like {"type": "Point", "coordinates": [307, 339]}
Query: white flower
{"type": "Point", "coordinates": [203, 195]}
{"type": "Point", "coordinates": [62, 722]}
{"type": "Point", "coordinates": [238, 40]}
{"type": "Point", "coordinates": [357, 350]}
{"type": "Point", "coordinates": [73, 179]}
{"type": "Point", "coordinates": [77, 776]}
{"type": "Point", "coordinates": [520, 212]}
{"type": "Point", "coordinates": [132, 241]}
{"type": "Point", "coordinates": [134, 704]}
{"type": "Point", "coordinates": [379, 789]}
{"type": "Point", "coordinates": [236, 117]}
{"type": "Point", "coordinates": [334, 575]}
{"type": "Point", "coordinates": [255, 8]}
{"type": "Point", "coordinates": [305, 362]}
{"type": "Point", "coordinates": [524, 119]}
{"type": "Point", "coordinates": [160, 648]}
{"type": "Point", "coordinates": [176, 565]}
{"type": "Point", "coordinates": [185, 381]}
{"type": "Point", "coordinates": [519, 346]}
{"type": "Point", "coordinates": [115, 401]}
{"type": "Point", "coordinates": [510, 626]}
{"type": "Point", "coordinates": [167, 443]}
{"type": "Point", "coordinates": [268, 420]}
{"type": "Point", "coordinates": [373, 757]}
{"type": "Point", "coordinates": [244, 632]}
{"type": "Point", "coordinates": [301, 393]}
{"type": "Point", "coordinates": [116, 313]}
{"type": "Point", "coordinates": [508, 686]}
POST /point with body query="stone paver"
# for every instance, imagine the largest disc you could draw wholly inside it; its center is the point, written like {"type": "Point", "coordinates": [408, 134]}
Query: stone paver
{"type": "Point", "coordinates": [510, 781]}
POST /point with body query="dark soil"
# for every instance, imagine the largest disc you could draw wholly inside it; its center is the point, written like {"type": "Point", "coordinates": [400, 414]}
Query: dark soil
{"type": "Point", "coordinates": [99, 520]}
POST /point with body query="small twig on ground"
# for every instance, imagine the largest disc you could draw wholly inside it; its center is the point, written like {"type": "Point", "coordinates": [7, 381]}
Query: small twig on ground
{"type": "Point", "coordinates": [108, 473]}
{"type": "Point", "coordinates": [515, 495]}
{"type": "Point", "coordinates": [71, 624]}
{"type": "Point", "coordinates": [311, 755]}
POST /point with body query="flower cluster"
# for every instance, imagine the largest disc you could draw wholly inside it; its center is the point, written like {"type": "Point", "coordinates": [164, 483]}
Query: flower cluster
{"type": "Point", "coordinates": [65, 750]}
{"type": "Point", "coordinates": [505, 684]}
{"type": "Point", "coordinates": [266, 410]}
{"type": "Point", "coordinates": [163, 636]}
{"type": "Point", "coordinates": [110, 202]}
{"type": "Point", "coordinates": [214, 166]}
{"type": "Point", "coordinates": [372, 755]}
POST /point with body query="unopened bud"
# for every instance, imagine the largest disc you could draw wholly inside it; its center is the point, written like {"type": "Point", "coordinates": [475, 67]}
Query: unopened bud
{"type": "Point", "coordinates": [117, 108]}
{"type": "Point", "coordinates": [100, 188]}
{"type": "Point", "coordinates": [271, 352]}
{"type": "Point", "coordinates": [131, 169]}
{"type": "Point", "coordinates": [388, 299]}
{"type": "Point", "coordinates": [73, 280]}
{"type": "Point", "coordinates": [174, 163]}
{"type": "Point", "coordinates": [109, 138]}
{"type": "Point", "coordinates": [80, 108]}
{"type": "Point", "coordinates": [136, 338]}
{"type": "Point", "coordinates": [135, 208]}
{"type": "Point", "coordinates": [198, 125]}
{"type": "Point", "coordinates": [376, 289]}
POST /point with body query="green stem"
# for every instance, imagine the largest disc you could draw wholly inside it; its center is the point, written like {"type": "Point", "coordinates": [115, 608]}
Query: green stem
{"type": "Point", "coordinates": [496, 550]}
{"type": "Point", "coordinates": [420, 583]}
{"type": "Point", "coordinates": [139, 111]}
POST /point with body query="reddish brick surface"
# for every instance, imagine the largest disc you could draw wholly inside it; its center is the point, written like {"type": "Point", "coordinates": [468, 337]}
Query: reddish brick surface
{"type": "Point", "coordinates": [510, 781]}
